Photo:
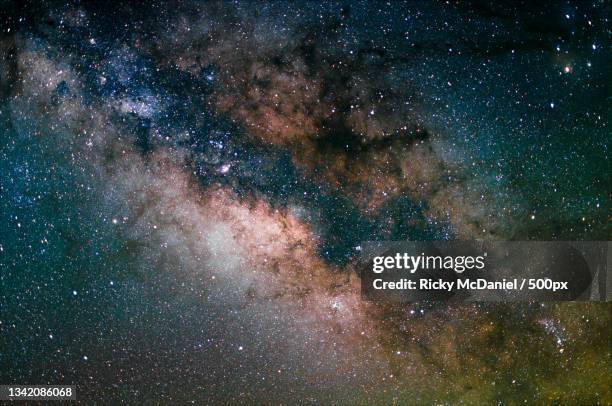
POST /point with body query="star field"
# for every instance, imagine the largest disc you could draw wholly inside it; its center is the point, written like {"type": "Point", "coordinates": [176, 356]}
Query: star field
{"type": "Point", "coordinates": [184, 188]}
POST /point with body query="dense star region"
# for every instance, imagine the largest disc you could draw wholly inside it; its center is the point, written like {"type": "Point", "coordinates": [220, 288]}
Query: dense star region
{"type": "Point", "coordinates": [184, 188]}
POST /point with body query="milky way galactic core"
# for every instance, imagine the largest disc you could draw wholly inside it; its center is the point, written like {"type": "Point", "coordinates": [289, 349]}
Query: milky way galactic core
{"type": "Point", "coordinates": [185, 187]}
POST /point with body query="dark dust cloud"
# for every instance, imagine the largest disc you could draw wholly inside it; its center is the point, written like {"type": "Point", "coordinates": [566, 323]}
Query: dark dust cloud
{"type": "Point", "coordinates": [184, 187]}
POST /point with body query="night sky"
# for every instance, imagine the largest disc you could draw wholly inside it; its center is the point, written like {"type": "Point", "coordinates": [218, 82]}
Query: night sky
{"type": "Point", "coordinates": [184, 188]}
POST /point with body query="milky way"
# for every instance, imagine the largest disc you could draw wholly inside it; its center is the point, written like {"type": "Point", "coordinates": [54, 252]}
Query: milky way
{"type": "Point", "coordinates": [185, 186]}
